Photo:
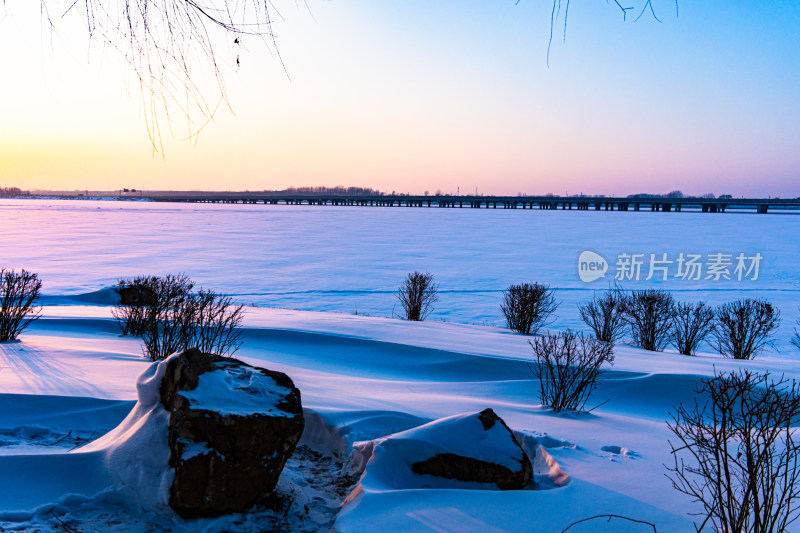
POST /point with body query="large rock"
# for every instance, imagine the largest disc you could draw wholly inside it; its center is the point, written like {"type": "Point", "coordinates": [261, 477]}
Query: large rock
{"type": "Point", "coordinates": [231, 429]}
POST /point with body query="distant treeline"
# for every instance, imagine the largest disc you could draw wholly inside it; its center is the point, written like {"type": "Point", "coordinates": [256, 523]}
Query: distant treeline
{"type": "Point", "coordinates": [678, 194]}
{"type": "Point", "coordinates": [10, 192]}
{"type": "Point", "coordinates": [318, 191]}
{"type": "Point", "coordinates": [338, 190]}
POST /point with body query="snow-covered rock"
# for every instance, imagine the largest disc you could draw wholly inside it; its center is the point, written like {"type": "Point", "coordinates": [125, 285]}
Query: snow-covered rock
{"type": "Point", "coordinates": [135, 295]}
{"type": "Point", "coordinates": [231, 429]}
{"type": "Point", "coordinates": [474, 450]}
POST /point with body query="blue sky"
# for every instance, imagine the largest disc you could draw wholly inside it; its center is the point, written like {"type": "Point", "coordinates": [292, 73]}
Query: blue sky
{"type": "Point", "coordinates": [416, 95]}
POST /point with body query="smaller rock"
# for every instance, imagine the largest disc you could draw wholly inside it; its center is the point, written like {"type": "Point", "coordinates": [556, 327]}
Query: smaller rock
{"type": "Point", "coordinates": [136, 295]}
{"type": "Point", "coordinates": [463, 451]}
{"type": "Point", "coordinates": [468, 468]}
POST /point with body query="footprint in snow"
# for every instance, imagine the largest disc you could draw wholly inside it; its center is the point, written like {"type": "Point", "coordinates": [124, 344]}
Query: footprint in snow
{"type": "Point", "coordinates": [619, 451]}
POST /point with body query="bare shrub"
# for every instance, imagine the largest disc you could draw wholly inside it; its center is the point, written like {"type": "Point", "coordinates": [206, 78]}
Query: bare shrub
{"type": "Point", "coordinates": [167, 333]}
{"type": "Point", "coordinates": [796, 337]}
{"type": "Point", "coordinates": [603, 314]}
{"type": "Point", "coordinates": [736, 454]}
{"type": "Point", "coordinates": [417, 295]}
{"type": "Point", "coordinates": [215, 323]}
{"type": "Point", "coordinates": [19, 297]}
{"type": "Point", "coordinates": [528, 307]}
{"type": "Point", "coordinates": [568, 367]}
{"type": "Point", "coordinates": [169, 318]}
{"type": "Point", "coordinates": [648, 314]}
{"type": "Point", "coordinates": [745, 327]}
{"type": "Point", "coordinates": [691, 324]}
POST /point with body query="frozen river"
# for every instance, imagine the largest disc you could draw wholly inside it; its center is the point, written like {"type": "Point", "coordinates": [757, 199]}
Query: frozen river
{"type": "Point", "coordinates": [351, 259]}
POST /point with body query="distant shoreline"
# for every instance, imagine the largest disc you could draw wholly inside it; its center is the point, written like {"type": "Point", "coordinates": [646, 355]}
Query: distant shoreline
{"type": "Point", "coordinates": [636, 203]}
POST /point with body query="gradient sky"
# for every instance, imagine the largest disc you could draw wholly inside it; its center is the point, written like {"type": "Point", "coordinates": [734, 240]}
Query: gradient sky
{"type": "Point", "coordinates": [420, 95]}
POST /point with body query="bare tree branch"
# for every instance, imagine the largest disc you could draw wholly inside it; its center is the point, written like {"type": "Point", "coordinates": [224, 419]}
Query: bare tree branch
{"type": "Point", "coordinates": [736, 452]}
{"type": "Point", "coordinates": [555, 13]}
{"type": "Point", "coordinates": [169, 44]}
{"type": "Point", "coordinates": [609, 517]}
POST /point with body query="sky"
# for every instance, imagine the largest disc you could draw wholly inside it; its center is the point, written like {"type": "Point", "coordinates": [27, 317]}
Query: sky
{"type": "Point", "coordinates": [415, 96]}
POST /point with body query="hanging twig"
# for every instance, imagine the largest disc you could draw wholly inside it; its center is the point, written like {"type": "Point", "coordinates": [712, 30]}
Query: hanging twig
{"type": "Point", "coordinates": [609, 517]}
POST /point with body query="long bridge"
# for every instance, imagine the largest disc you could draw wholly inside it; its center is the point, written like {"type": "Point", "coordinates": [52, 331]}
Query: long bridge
{"type": "Point", "coordinates": [579, 203]}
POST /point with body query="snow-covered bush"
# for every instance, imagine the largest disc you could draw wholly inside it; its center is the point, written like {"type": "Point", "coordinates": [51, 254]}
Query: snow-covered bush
{"type": "Point", "coordinates": [745, 327]}
{"type": "Point", "coordinates": [736, 453]}
{"type": "Point", "coordinates": [19, 297]}
{"type": "Point", "coordinates": [528, 307]}
{"type": "Point", "coordinates": [648, 314]}
{"type": "Point", "coordinates": [603, 314]}
{"type": "Point", "coordinates": [568, 366]}
{"type": "Point", "coordinates": [417, 295]}
{"type": "Point", "coordinates": [691, 324]}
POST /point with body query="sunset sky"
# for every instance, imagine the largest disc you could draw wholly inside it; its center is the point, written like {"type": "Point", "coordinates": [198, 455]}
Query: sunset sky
{"type": "Point", "coordinates": [420, 95]}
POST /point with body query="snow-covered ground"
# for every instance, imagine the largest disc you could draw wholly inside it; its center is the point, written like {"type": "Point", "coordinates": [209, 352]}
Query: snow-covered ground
{"type": "Point", "coordinates": [366, 378]}
{"type": "Point", "coordinates": [351, 259]}
{"type": "Point", "coordinates": [72, 378]}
